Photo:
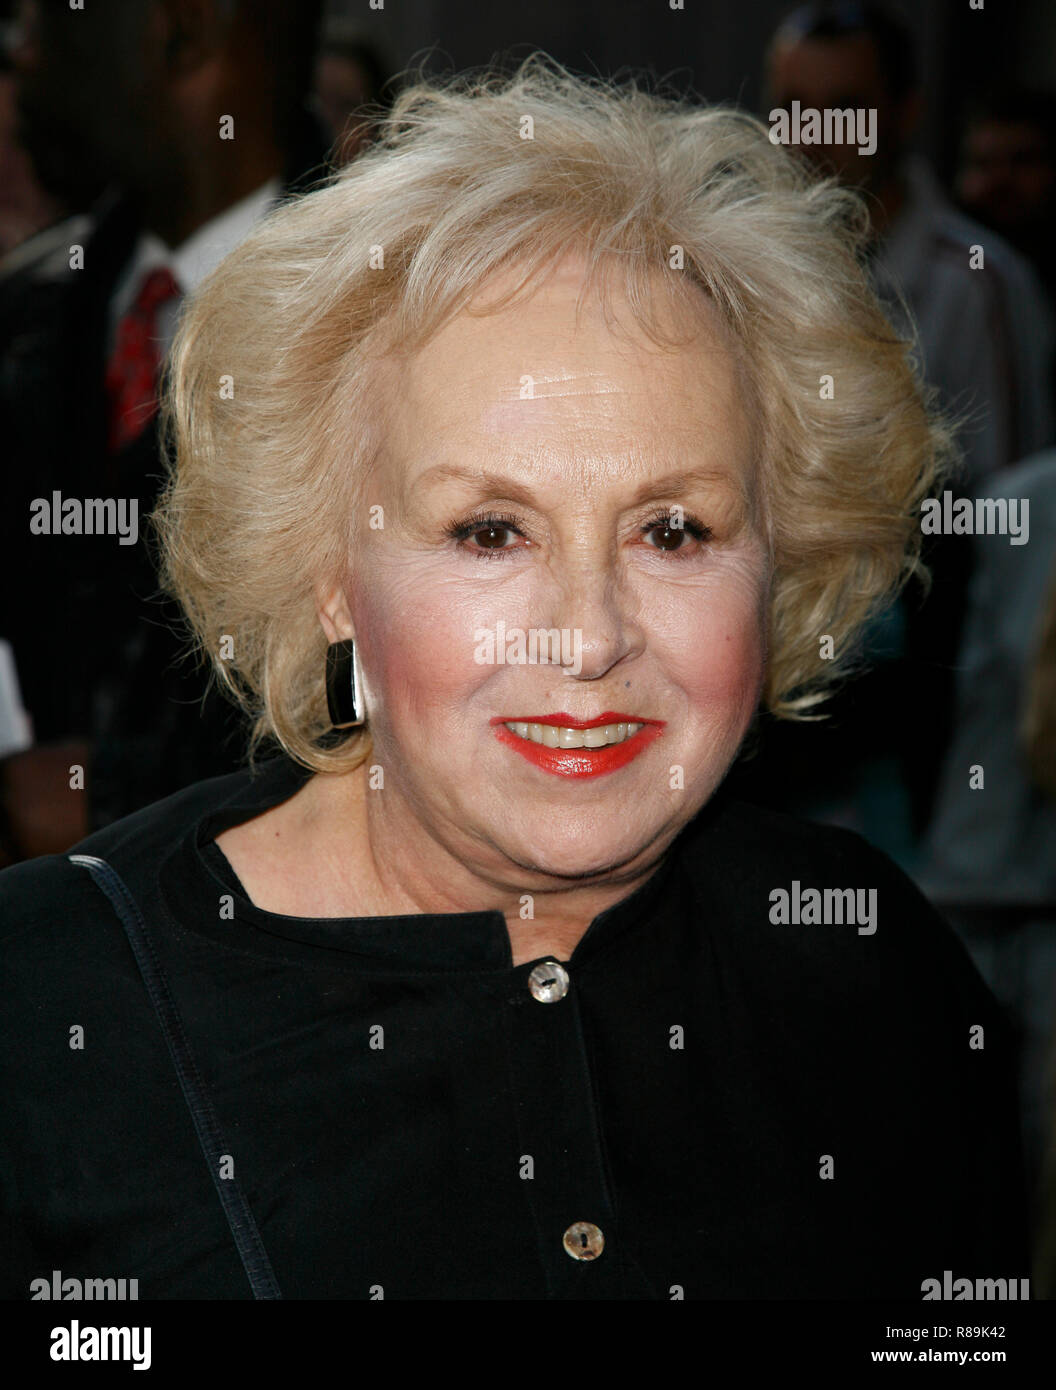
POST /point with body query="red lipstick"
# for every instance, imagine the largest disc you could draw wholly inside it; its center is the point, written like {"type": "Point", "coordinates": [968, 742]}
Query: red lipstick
{"type": "Point", "coordinates": [579, 762]}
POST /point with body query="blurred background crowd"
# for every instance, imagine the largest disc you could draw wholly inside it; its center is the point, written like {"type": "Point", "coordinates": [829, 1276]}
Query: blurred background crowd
{"type": "Point", "coordinates": [118, 196]}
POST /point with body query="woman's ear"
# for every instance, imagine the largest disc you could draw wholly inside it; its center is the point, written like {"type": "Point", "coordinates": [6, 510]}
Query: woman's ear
{"type": "Point", "coordinates": [332, 608]}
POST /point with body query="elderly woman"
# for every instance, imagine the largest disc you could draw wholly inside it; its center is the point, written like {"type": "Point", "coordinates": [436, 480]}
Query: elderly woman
{"type": "Point", "coordinates": [515, 470]}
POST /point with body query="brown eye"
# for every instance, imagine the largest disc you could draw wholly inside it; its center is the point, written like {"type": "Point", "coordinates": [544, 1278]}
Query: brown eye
{"type": "Point", "coordinates": [494, 537]}
{"type": "Point", "coordinates": [670, 537]}
{"type": "Point", "coordinates": [490, 536]}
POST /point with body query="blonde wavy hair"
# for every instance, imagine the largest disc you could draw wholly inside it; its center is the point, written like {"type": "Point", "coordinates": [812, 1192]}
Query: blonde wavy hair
{"type": "Point", "coordinates": [265, 474]}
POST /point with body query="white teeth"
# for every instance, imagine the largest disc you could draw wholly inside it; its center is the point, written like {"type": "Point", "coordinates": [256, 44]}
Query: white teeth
{"type": "Point", "coordinates": [551, 736]}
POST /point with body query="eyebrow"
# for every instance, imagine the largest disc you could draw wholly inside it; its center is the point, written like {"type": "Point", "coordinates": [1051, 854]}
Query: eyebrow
{"type": "Point", "coordinates": [498, 483]}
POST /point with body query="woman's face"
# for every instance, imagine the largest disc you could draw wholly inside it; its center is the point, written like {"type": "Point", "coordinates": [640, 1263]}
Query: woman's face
{"type": "Point", "coordinates": [531, 481]}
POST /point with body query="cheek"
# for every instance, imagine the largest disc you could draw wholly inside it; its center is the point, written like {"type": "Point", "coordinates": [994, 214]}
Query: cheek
{"type": "Point", "coordinates": [716, 652]}
{"type": "Point", "coordinates": [417, 647]}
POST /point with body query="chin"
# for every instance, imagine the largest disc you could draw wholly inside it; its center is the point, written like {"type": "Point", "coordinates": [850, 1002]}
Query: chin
{"type": "Point", "coordinates": [582, 848]}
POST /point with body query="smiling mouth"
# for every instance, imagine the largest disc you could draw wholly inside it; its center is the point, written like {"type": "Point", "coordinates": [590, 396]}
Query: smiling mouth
{"type": "Point", "coordinates": [567, 746]}
{"type": "Point", "coordinates": [563, 736]}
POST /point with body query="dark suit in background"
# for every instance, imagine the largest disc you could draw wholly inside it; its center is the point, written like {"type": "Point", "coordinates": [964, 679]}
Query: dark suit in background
{"type": "Point", "coordinates": [99, 651]}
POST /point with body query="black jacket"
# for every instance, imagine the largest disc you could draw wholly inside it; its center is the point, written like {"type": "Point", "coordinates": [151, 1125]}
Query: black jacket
{"type": "Point", "coordinates": [742, 1108]}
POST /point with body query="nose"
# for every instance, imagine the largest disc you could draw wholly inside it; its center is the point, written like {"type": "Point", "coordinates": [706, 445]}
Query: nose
{"type": "Point", "coordinates": [592, 600]}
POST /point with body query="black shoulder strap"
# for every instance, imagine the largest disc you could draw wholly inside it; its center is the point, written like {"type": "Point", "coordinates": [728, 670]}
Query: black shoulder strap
{"type": "Point", "coordinates": [232, 1199]}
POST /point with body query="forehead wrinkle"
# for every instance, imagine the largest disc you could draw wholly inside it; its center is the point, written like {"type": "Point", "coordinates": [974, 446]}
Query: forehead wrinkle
{"type": "Point", "coordinates": [512, 412]}
{"type": "Point", "coordinates": [559, 383]}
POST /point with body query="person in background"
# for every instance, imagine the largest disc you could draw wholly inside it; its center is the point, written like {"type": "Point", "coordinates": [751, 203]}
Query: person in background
{"type": "Point", "coordinates": [989, 860]}
{"type": "Point", "coordinates": [1006, 175]}
{"type": "Point", "coordinates": [986, 339]}
{"type": "Point", "coordinates": [193, 118]}
{"type": "Point", "coordinates": [984, 344]}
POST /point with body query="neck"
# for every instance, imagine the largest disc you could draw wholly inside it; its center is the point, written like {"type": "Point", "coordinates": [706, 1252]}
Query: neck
{"type": "Point", "coordinates": [408, 869]}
